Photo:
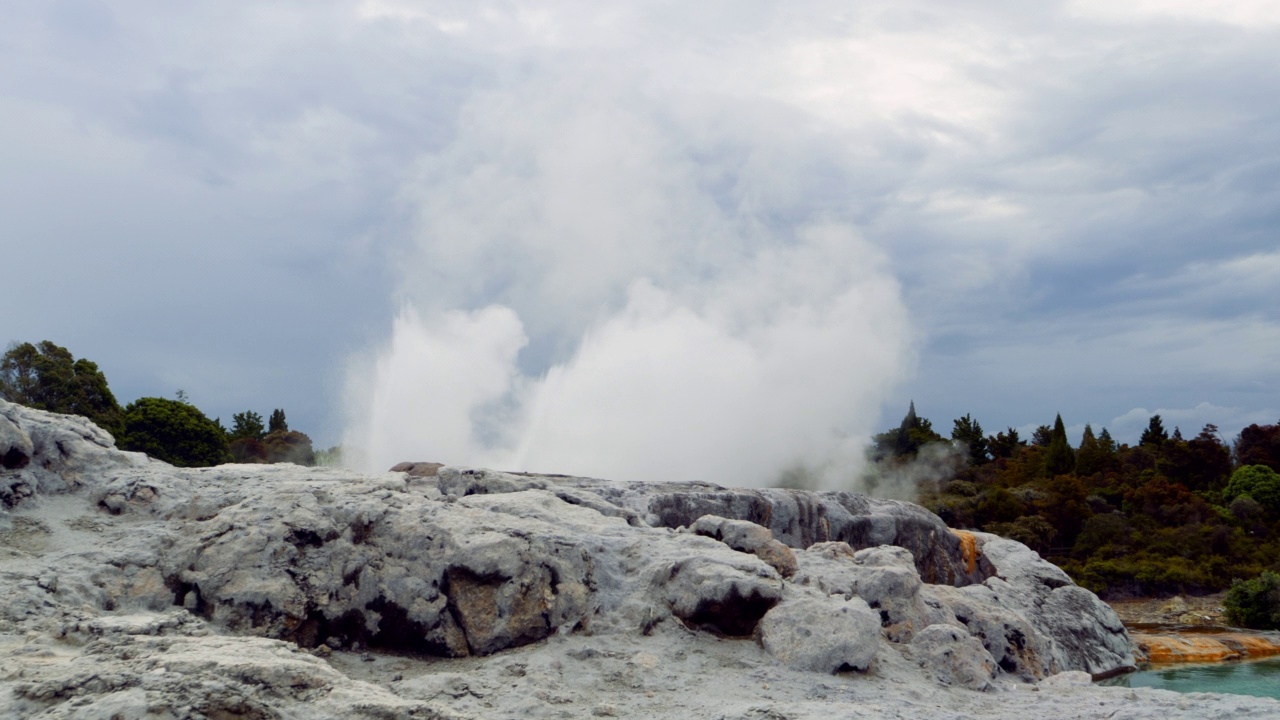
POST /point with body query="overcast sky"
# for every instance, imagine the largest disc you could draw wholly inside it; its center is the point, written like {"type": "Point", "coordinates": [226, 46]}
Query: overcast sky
{"type": "Point", "coordinates": [704, 239]}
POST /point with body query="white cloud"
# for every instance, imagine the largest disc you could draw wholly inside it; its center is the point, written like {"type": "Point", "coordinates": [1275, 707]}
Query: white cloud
{"type": "Point", "coordinates": [1230, 420]}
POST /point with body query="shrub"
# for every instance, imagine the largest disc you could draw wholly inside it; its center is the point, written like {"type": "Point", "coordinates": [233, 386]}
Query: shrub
{"type": "Point", "coordinates": [1255, 603]}
{"type": "Point", "coordinates": [289, 446]}
{"type": "Point", "coordinates": [1258, 482]}
{"type": "Point", "coordinates": [174, 432]}
{"type": "Point", "coordinates": [1031, 530]}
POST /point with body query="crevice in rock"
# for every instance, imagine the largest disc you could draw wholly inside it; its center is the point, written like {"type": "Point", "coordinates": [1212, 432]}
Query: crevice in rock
{"type": "Point", "coordinates": [182, 591]}
{"type": "Point", "coordinates": [398, 632]}
{"type": "Point", "coordinates": [15, 459]}
{"type": "Point", "coordinates": [360, 532]}
{"type": "Point", "coordinates": [305, 537]}
{"type": "Point", "coordinates": [733, 615]}
{"type": "Point", "coordinates": [348, 629]}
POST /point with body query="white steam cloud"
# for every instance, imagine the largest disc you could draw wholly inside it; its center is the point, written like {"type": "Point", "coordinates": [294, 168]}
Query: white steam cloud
{"type": "Point", "coordinates": [629, 277]}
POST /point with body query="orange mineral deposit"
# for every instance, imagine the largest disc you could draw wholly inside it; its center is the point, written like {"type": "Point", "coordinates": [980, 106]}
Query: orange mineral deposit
{"type": "Point", "coordinates": [968, 548]}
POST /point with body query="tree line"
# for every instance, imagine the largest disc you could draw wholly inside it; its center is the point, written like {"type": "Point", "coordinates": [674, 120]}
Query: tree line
{"type": "Point", "coordinates": [1169, 514]}
{"type": "Point", "coordinates": [47, 376]}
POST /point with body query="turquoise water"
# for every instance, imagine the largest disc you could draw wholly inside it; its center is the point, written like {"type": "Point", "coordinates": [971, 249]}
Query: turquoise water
{"type": "Point", "coordinates": [1259, 677]}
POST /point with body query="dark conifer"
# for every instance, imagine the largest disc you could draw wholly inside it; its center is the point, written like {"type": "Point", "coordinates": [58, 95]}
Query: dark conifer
{"type": "Point", "coordinates": [1155, 433]}
{"type": "Point", "coordinates": [1059, 459]}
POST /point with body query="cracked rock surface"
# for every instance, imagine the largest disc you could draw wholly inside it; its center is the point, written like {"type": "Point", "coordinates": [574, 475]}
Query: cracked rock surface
{"type": "Point", "coordinates": [129, 588]}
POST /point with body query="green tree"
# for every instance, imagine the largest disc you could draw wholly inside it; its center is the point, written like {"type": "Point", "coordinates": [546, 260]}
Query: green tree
{"type": "Point", "coordinates": [289, 446]}
{"type": "Point", "coordinates": [1255, 603]}
{"type": "Point", "coordinates": [1059, 459]}
{"type": "Point", "coordinates": [47, 377]}
{"type": "Point", "coordinates": [1095, 455]}
{"type": "Point", "coordinates": [277, 422]}
{"type": "Point", "coordinates": [1104, 439]}
{"type": "Point", "coordinates": [1155, 433]}
{"type": "Point", "coordinates": [1259, 445]}
{"type": "Point", "coordinates": [247, 424]}
{"type": "Point", "coordinates": [174, 432]}
{"type": "Point", "coordinates": [1031, 530]}
{"type": "Point", "coordinates": [1005, 444]}
{"type": "Point", "coordinates": [1201, 463]}
{"type": "Point", "coordinates": [912, 434]}
{"type": "Point", "coordinates": [1042, 436]}
{"type": "Point", "coordinates": [331, 457]}
{"type": "Point", "coordinates": [1258, 482]}
{"type": "Point", "coordinates": [998, 506]}
{"type": "Point", "coordinates": [968, 432]}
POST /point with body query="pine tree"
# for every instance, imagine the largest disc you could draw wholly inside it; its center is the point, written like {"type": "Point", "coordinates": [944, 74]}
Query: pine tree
{"type": "Point", "coordinates": [1005, 444]}
{"type": "Point", "coordinates": [247, 425]}
{"type": "Point", "coordinates": [913, 433]}
{"type": "Point", "coordinates": [1155, 433]}
{"type": "Point", "coordinates": [1094, 454]}
{"type": "Point", "coordinates": [1059, 459]}
{"type": "Point", "coordinates": [1042, 436]}
{"type": "Point", "coordinates": [968, 432]}
{"type": "Point", "coordinates": [1104, 439]}
{"type": "Point", "coordinates": [277, 422]}
{"type": "Point", "coordinates": [909, 423]}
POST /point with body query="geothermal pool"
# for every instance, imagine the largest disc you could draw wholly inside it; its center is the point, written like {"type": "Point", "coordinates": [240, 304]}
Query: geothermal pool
{"type": "Point", "coordinates": [1249, 677]}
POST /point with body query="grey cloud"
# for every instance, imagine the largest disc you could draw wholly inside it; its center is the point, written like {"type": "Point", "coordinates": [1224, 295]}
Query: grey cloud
{"type": "Point", "coordinates": [1057, 187]}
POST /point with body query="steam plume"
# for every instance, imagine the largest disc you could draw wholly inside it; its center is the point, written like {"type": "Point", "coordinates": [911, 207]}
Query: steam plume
{"type": "Point", "coordinates": [621, 284]}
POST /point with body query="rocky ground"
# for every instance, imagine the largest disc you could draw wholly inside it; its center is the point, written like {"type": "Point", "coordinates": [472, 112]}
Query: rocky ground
{"type": "Point", "coordinates": [1190, 629]}
{"type": "Point", "coordinates": [129, 588]}
{"type": "Point", "coordinates": [1206, 610]}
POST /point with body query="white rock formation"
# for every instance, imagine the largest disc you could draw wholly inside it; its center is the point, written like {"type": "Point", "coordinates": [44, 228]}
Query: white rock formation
{"type": "Point", "coordinates": [129, 588]}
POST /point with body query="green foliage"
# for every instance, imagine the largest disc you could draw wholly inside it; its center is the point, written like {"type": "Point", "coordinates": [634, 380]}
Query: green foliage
{"type": "Point", "coordinates": [1258, 482]}
{"type": "Point", "coordinates": [248, 450]}
{"type": "Point", "coordinates": [904, 443]}
{"type": "Point", "coordinates": [1155, 433]}
{"type": "Point", "coordinates": [1201, 463]}
{"type": "Point", "coordinates": [1259, 445]}
{"type": "Point", "coordinates": [1109, 530]}
{"type": "Point", "coordinates": [47, 377]}
{"type": "Point", "coordinates": [247, 425]}
{"type": "Point", "coordinates": [330, 457]}
{"type": "Point", "coordinates": [1255, 603]}
{"type": "Point", "coordinates": [1004, 444]}
{"type": "Point", "coordinates": [174, 432]}
{"type": "Point", "coordinates": [1104, 439]}
{"type": "Point", "coordinates": [1042, 436]}
{"type": "Point", "coordinates": [1059, 458]}
{"type": "Point", "coordinates": [1031, 530]}
{"type": "Point", "coordinates": [968, 432]}
{"type": "Point", "coordinates": [253, 443]}
{"type": "Point", "coordinates": [1095, 455]}
{"type": "Point", "coordinates": [1167, 516]}
{"type": "Point", "coordinates": [289, 446]}
{"type": "Point", "coordinates": [1167, 503]}
{"type": "Point", "coordinates": [999, 506]}
{"type": "Point", "coordinates": [1065, 504]}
